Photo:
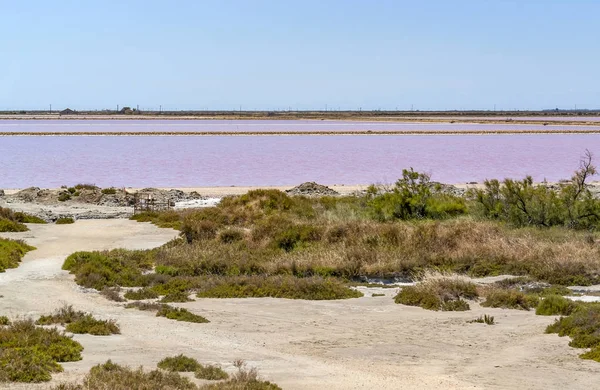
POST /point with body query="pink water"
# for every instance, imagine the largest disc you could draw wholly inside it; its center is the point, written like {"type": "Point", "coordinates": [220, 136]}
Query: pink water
{"type": "Point", "coordinates": [73, 125]}
{"type": "Point", "coordinates": [284, 160]}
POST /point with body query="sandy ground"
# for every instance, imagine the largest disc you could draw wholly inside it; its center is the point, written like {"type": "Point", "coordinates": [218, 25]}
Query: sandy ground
{"type": "Point", "coordinates": [363, 343]}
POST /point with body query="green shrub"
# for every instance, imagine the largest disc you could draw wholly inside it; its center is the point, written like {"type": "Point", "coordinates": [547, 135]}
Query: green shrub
{"type": "Point", "coordinates": [144, 306]}
{"type": "Point", "coordinates": [11, 252]}
{"type": "Point", "coordinates": [177, 296]}
{"type": "Point", "coordinates": [296, 235]}
{"type": "Point", "coordinates": [243, 379]}
{"type": "Point", "coordinates": [553, 305]}
{"type": "Point", "coordinates": [8, 226]}
{"type": "Point", "coordinates": [413, 197]}
{"type": "Point", "coordinates": [86, 186]}
{"type": "Point", "coordinates": [377, 295]}
{"type": "Point", "coordinates": [484, 319]}
{"type": "Point", "coordinates": [179, 363]}
{"type": "Point", "coordinates": [115, 377]}
{"type": "Point", "coordinates": [510, 299]}
{"type": "Point", "coordinates": [65, 221]}
{"type": "Point", "coordinates": [438, 293]}
{"type": "Point", "coordinates": [231, 235]}
{"type": "Point", "coordinates": [109, 191]}
{"type": "Point", "coordinates": [593, 354]}
{"type": "Point", "coordinates": [63, 315]}
{"type": "Point", "coordinates": [89, 325]}
{"type": "Point", "coordinates": [31, 354]}
{"type": "Point", "coordinates": [64, 196]}
{"type": "Point", "coordinates": [72, 190]}
{"type": "Point", "coordinates": [79, 322]}
{"type": "Point", "coordinates": [180, 314]}
{"type": "Point", "coordinates": [211, 373]}
{"type": "Point", "coordinates": [582, 325]}
{"type": "Point", "coordinates": [143, 293]}
{"type": "Point", "coordinates": [313, 288]}
{"type": "Point", "coordinates": [4, 321]}
{"type": "Point", "coordinates": [112, 294]}
{"type": "Point", "coordinates": [27, 218]}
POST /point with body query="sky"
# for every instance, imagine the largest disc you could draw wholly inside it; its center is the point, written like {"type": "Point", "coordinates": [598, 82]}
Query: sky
{"type": "Point", "coordinates": [300, 55]}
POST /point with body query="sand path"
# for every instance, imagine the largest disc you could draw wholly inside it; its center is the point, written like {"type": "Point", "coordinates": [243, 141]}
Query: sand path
{"type": "Point", "coordinates": [364, 343]}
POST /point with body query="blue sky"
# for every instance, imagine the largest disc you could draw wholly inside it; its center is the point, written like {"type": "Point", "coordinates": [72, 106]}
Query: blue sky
{"type": "Point", "coordinates": [309, 54]}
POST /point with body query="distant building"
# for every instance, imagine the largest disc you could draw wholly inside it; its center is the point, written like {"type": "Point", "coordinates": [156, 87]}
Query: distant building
{"type": "Point", "coordinates": [67, 111]}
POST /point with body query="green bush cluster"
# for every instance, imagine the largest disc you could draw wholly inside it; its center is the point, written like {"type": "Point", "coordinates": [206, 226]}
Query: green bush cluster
{"type": "Point", "coordinates": [553, 305]}
{"type": "Point", "coordinates": [31, 354]}
{"type": "Point", "coordinates": [484, 319]}
{"type": "Point", "coordinates": [65, 221]}
{"type": "Point", "coordinates": [414, 197]}
{"type": "Point", "coordinates": [522, 203]}
{"type": "Point", "coordinates": [11, 252]}
{"type": "Point", "coordinates": [4, 321]}
{"type": "Point", "coordinates": [179, 363]}
{"type": "Point", "coordinates": [64, 196]}
{"type": "Point", "coordinates": [79, 322]}
{"type": "Point", "coordinates": [313, 288]}
{"type": "Point", "coordinates": [510, 299]}
{"type": "Point", "coordinates": [109, 191]}
{"type": "Point", "coordinates": [167, 311]}
{"type": "Point", "coordinates": [440, 293]}
{"type": "Point", "coordinates": [12, 222]}
{"type": "Point", "coordinates": [115, 377]}
{"type": "Point", "coordinates": [583, 327]}
{"type": "Point", "coordinates": [143, 293]}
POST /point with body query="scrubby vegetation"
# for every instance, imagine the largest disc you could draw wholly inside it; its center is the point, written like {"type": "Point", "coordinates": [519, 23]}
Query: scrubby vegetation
{"type": "Point", "coordinates": [4, 321]}
{"type": "Point", "coordinates": [583, 326]}
{"type": "Point", "coordinates": [438, 292]}
{"type": "Point", "coordinates": [11, 253]}
{"type": "Point", "coordinates": [112, 294]}
{"type": "Point", "coordinates": [143, 293]}
{"type": "Point", "coordinates": [109, 191]}
{"type": "Point", "coordinates": [179, 363]}
{"type": "Point", "coordinates": [167, 311]}
{"type": "Point", "coordinates": [484, 319]}
{"type": "Point", "coordinates": [510, 299]}
{"type": "Point", "coordinates": [553, 305]}
{"type": "Point", "coordinates": [79, 322]}
{"type": "Point", "coordinates": [31, 354]}
{"type": "Point", "coordinates": [65, 221]}
{"type": "Point", "coordinates": [115, 377]}
{"type": "Point", "coordinates": [11, 222]}
{"type": "Point", "coordinates": [211, 373]}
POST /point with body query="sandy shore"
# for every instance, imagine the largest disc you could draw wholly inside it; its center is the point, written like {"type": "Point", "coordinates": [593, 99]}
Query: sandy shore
{"type": "Point", "coordinates": [362, 343]}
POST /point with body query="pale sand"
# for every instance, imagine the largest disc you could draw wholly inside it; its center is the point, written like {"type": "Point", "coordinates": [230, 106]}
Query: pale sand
{"type": "Point", "coordinates": [364, 343]}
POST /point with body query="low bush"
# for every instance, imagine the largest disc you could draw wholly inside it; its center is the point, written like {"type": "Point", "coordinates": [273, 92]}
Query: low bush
{"type": "Point", "coordinates": [484, 319]}
{"type": "Point", "coordinates": [553, 305]}
{"type": "Point", "coordinates": [438, 292]}
{"type": "Point", "coordinates": [313, 288]}
{"type": "Point", "coordinates": [115, 377]}
{"type": "Point", "coordinates": [112, 294]}
{"type": "Point", "coordinates": [510, 299]}
{"type": "Point", "coordinates": [140, 294]}
{"type": "Point", "coordinates": [63, 315]}
{"type": "Point", "coordinates": [144, 306]}
{"type": "Point", "coordinates": [4, 321]}
{"type": "Point", "coordinates": [11, 252]}
{"type": "Point", "coordinates": [79, 322]}
{"type": "Point", "coordinates": [64, 196]}
{"type": "Point", "coordinates": [164, 219]}
{"type": "Point", "coordinates": [244, 378]}
{"type": "Point", "coordinates": [86, 186]}
{"type": "Point", "coordinates": [109, 191]}
{"type": "Point", "coordinates": [211, 373]}
{"type": "Point", "coordinates": [179, 363]}
{"type": "Point", "coordinates": [178, 296]}
{"type": "Point", "coordinates": [89, 325]}
{"type": "Point", "coordinates": [377, 295]}
{"type": "Point", "coordinates": [8, 226]}
{"type": "Point", "coordinates": [65, 221]}
{"type": "Point", "coordinates": [180, 314]}
{"type": "Point", "coordinates": [31, 354]}
{"type": "Point", "coordinates": [583, 326]}
{"type": "Point", "coordinates": [167, 311]}
{"type": "Point", "coordinates": [27, 218]}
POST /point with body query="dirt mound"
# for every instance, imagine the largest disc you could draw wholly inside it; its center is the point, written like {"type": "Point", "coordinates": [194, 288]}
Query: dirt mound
{"type": "Point", "coordinates": [312, 189]}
